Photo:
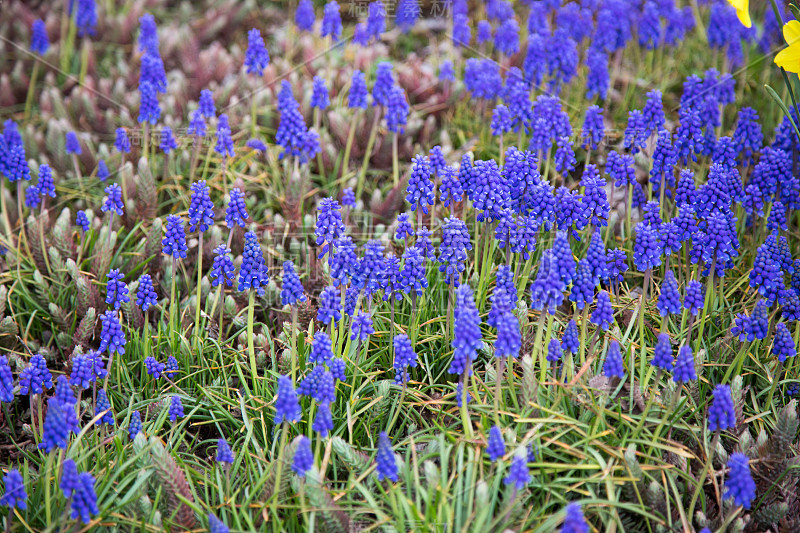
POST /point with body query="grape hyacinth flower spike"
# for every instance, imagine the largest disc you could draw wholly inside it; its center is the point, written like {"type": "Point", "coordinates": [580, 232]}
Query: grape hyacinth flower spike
{"type": "Point", "coordinates": [404, 357]}
{"type": "Point", "coordinates": [224, 453]}
{"type": "Point", "coordinates": [467, 340]}
{"type": "Point", "coordinates": [201, 218]}
{"type": "Point", "coordinates": [174, 245]}
{"type": "Point", "coordinates": [386, 464]}
{"type": "Point", "coordinates": [574, 521]}
{"type": "Point", "coordinates": [740, 485]}
{"type": "Point", "coordinates": [14, 494]}
{"type": "Point", "coordinates": [496, 446]}
{"type": "Point", "coordinates": [135, 425]}
{"type": "Point", "coordinates": [253, 276]}
{"type": "Point", "coordinates": [303, 456]}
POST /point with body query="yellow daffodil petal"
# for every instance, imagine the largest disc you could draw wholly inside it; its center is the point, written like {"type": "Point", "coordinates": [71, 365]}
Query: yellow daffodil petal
{"type": "Point", "coordinates": [789, 59]}
{"type": "Point", "coordinates": [742, 11]}
{"type": "Point", "coordinates": [791, 32]}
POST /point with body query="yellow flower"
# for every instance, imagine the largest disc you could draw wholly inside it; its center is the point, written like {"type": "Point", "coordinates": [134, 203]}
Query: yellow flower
{"type": "Point", "coordinates": [742, 11]}
{"type": "Point", "coordinates": [789, 57]}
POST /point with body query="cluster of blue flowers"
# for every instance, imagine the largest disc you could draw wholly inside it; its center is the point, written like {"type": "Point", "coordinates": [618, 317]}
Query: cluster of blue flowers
{"type": "Point", "coordinates": [547, 205]}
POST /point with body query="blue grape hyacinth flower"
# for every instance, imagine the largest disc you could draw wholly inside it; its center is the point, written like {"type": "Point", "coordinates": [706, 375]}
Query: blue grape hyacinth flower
{"type": "Point", "coordinates": [72, 145]}
{"type": "Point", "coordinates": [175, 410]}
{"type": "Point", "coordinates": [82, 221]}
{"type": "Point", "coordinates": [603, 315]}
{"type": "Point", "coordinates": [146, 296]}
{"type": "Point", "coordinates": [112, 338]}
{"type": "Point", "coordinates": [662, 358]}
{"type": "Point", "coordinates": [323, 422]}
{"type": "Point", "coordinates": [287, 407]}
{"type": "Point", "coordinates": [36, 377]}
{"type": "Point", "coordinates": [215, 525]}
{"type": "Point", "coordinates": [783, 346]}
{"type": "Point", "coordinates": [113, 200]}
{"type": "Point", "coordinates": [574, 521]}
{"type": "Point", "coordinates": [420, 189]}
{"type": "Point", "coordinates": [102, 170]}
{"type": "Point", "coordinates": [201, 208]}
{"type": "Point", "coordinates": [224, 146]}
{"type": "Point", "coordinates": [6, 381]}
{"type": "Point", "coordinates": [331, 21]}
{"type": "Point", "coordinates": [39, 40]}
{"type": "Point", "coordinates": [613, 365]}
{"type": "Point", "coordinates": [82, 372]}
{"type": "Point", "coordinates": [153, 367]}
{"type": "Point", "coordinates": [304, 16]}
{"type": "Point", "coordinates": [116, 289]}
{"type": "Point", "coordinates": [319, 94]}
{"type": "Point", "coordinates": [121, 141]}
{"type": "Point", "coordinates": [404, 357]}
{"type": "Point", "coordinates": [104, 406]}
{"type": "Point", "coordinates": [518, 474]}
{"type": "Point", "coordinates": [253, 274]}
{"type": "Point", "coordinates": [84, 499]}
{"type": "Point", "coordinates": [496, 446]}
{"type": "Point", "coordinates": [174, 241]}
{"type": "Point", "coordinates": [14, 494]}
{"type": "Point", "coordinates": [739, 484]}
{"type": "Point", "coordinates": [669, 301]}
{"type": "Point", "coordinates": [361, 327]}
{"type": "Point", "coordinates": [684, 370]}
{"type": "Point", "coordinates": [303, 456]}
{"type": "Point", "coordinates": [222, 269]}
{"type": "Point", "coordinates": [57, 425]}
{"type": "Point", "coordinates": [292, 290]}
{"type": "Point", "coordinates": [224, 453]}
{"type": "Point", "coordinates": [329, 225]}
{"type": "Point", "coordinates": [256, 57]}
{"type": "Point", "coordinates": [721, 413]}
{"type": "Point", "coordinates": [386, 464]}
{"type": "Point", "coordinates": [236, 212]}
{"type": "Point", "coordinates": [135, 425]}
{"type": "Point", "coordinates": [467, 337]}
{"type": "Point", "coordinates": [330, 307]}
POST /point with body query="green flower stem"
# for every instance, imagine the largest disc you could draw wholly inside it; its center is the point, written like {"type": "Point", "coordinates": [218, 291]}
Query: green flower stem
{"type": "Point", "coordinates": [376, 121]}
{"type": "Point", "coordinates": [543, 351]}
{"type": "Point", "coordinates": [320, 162]}
{"type": "Point", "coordinates": [85, 48]}
{"type": "Point", "coordinates": [294, 355]}
{"type": "Point", "coordinates": [673, 402]}
{"type": "Point", "coordinates": [198, 290]}
{"type": "Point", "coordinates": [47, 469]}
{"type": "Point", "coordinates": [173, 307]}
{"type": "Point", "coordinates": [643, 350]}
{"type": "Point", "coordinates": [250, 348]}
{"type": "Point", "coordinates": [276, 488]}
{"type": "Point", "coordinates": [704, 474]}
{"type": "Point", "coordinates": [536, 344]}
{"type": "Point", "coordinates": [395, 160]}
{"type": "Point", "coordinates": [497, 382]}
{"type": "Point", "coordinates": [4, 210]}
{"type": "Point", "coordinates": [465, 420]}
{"type": "Point", "coordinates": [221, 304]}
{"type": "Point", "coordinates": [31, 90]}
{"type": "Point", "coordinates": [253, 123]}
{"type": "Point", "coordinates": [351, 135]}
{"type": "Point", "coordinates": [709, 298]}
{"type": "Point", "coordinates": [628, 209]}
{"type": "Point", "coordinates": [397, 408]}
{"type": "Point", "coordinates": [775, 378]}
{"type": "Point", "coordinates": [584, 324]}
